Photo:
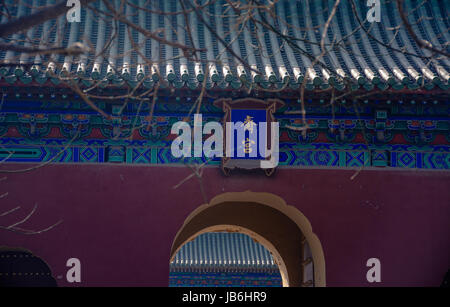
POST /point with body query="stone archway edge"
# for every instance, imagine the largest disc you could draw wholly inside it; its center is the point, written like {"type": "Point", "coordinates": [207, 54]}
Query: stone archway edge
{"type": "Point", "coordinates": [276, 203]}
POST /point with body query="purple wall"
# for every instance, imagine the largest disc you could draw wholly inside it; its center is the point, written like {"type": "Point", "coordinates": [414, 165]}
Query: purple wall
{"type": "Point", "coordinates": [120, 221]}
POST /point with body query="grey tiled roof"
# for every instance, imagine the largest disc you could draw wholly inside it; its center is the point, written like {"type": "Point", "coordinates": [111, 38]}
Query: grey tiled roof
{"type": "Point", "coordinates": [362, 61]}
{"type": "Point", "coordinates": [218, 249]}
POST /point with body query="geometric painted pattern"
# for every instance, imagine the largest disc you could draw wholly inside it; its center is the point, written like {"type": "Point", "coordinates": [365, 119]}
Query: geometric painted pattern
{"type": "Point", "coordinates": [139, 155]}
{"type": "Point", "coordinates": [380, 158]}
{"type": "Point", "coordinates": [356, 158]}
{"type": "Point", "coordinates": [38, 154]}
{"type": "Point", "coordinates": [325, 158]}
{"type": "Point", "coordinates": [435, 160]}
{"type": "Point", "coordinates": [403, 159]}
{"type": "Point", "coordinates": [115, 154]}
{"type": "Point", "coordinates": [421, 160]}
{"type": "Point", "coordinates": [224, 279]}
{"type": "Point", "coordinates": [308, 155]}
{"type": "Point", "coordinates": [164, 156]}
{"type": "Point", "coordinates": [330, 158]}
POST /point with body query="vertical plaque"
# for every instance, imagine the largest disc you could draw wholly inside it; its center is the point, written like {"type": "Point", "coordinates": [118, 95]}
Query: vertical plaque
{"type": "Point", "coordinates": [246, 149]}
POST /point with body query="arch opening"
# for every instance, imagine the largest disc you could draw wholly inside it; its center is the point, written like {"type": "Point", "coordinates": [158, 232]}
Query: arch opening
{"type": "Point", "coordinates": [221, 258]}
{"type": "Point", "coordinates": [21, 268]}
{"type": "Point", "coordinates": [267, 219]}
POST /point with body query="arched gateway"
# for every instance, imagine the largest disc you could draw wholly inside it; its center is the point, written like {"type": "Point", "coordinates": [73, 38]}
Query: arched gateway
{"type": "Point", "coordinates": [265, 217]}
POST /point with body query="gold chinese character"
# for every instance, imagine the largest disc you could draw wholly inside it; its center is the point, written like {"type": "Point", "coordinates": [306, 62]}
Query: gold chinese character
{"type": "Point", "coordinates": [248, 145]}
{"type": "Point", "coordinates": [248, 124]}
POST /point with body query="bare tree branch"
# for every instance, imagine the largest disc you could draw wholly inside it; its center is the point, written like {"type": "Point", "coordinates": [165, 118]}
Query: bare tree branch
{"type": "Point", "coordinates": [421, 43]}
{"type": "Point", "coordinates": [25, 22]}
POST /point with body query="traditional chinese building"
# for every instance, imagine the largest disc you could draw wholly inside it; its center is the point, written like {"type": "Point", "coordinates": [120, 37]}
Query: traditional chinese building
{"type": "Point", "coordinates": [366, 175]}
{"type": "Point", "coordinates": [224, 259]}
